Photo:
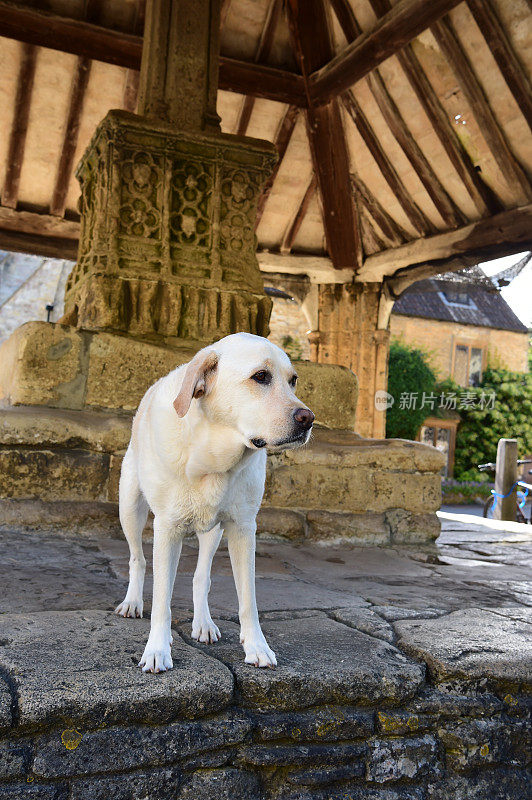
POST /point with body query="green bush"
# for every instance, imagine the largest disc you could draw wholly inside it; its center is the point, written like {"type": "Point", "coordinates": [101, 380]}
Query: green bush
{"type": "Point", "coordinates": [481, 428]}
{"type": "Point", "coordinates": [408, 374]}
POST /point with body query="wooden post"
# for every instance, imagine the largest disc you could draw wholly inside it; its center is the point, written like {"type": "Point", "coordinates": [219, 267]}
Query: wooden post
{"type": "Point", "coordinates": [505, 477]}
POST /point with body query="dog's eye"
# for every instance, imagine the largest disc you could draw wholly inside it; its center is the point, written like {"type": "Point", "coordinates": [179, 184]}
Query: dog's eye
{"type": "Point", "coordinates": [293, 381]}
{"type": "Point", "coordinates": [263, 376]}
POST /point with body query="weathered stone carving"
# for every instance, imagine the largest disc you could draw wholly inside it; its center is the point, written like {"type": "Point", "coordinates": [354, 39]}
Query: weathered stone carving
{"type": "Point", "coordinates": [167, 247]}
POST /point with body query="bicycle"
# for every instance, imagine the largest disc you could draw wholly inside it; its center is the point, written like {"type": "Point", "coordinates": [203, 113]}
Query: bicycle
{"type": "Point", "coordinates": [522, 494]}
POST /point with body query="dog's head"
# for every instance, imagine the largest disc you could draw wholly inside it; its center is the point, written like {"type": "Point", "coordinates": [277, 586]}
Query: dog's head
{"type": "Point", "coordinates": [247, 383]}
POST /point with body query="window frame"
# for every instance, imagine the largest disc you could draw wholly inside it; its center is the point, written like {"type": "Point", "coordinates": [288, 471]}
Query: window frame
{"type": "Point", "coordinates": [470, 346]}
{"type": "Point", "coordinates": [448, 424]}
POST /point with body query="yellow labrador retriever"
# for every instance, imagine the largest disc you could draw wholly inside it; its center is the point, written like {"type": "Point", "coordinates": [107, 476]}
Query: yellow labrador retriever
{"type": "Point", "coordinates": [197, 459]}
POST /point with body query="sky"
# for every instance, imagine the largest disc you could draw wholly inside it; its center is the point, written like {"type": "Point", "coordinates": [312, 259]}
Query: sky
{"type": "Point", "coordinates": [518, 294]}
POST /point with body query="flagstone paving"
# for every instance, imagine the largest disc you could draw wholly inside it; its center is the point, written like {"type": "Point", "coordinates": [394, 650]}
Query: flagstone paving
{"type": "Point", "coordinates": [403, 672]}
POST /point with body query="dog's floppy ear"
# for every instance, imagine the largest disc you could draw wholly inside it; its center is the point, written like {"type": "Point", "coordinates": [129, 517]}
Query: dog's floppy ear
{"type": "Point", "coordinates": [195, 380]}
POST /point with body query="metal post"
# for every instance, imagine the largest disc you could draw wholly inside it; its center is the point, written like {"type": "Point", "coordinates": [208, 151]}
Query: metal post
{"type": "Point", "coordinates": [505, 477]}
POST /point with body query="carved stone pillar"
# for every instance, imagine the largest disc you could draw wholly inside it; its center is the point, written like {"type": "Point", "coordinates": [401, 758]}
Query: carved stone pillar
{"type": "Point", "coordinates": [349, 335]}
{"type": "Point", "coordinates": [167, 246]}
{"type": "Point", "coordinates": [168, 203]}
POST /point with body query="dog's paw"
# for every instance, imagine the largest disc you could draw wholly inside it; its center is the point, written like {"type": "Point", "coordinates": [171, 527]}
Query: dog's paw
{"type": "Point", "coordinates": [204, 630]}
{"type": "Point", "coordinates": [259, 653]}
{"type": "Point", "coordinates": [130, 608]}
{"type": "Point", "coordinates": [156, 660]}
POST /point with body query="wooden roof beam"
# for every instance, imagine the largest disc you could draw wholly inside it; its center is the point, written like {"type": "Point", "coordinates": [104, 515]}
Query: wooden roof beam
{"type": "Point", "coordinates": [294, 227]}
{"type": "Point", "coordinates": [418, 219]}
{"type": "Point", "coordinates": [41, 234]}
{"type": "Point", "coordinates": [474, 94]}
{"type": "Point", "coordinates": [389, 227]}
{"type": "Point", "coordinates": [309, 27]}
{"type": "Point", "coordinates": [263, 51]}
{"type": "Point", "coordinates": [503, 234]}
{"type": "Point", "coordinates": [483, 197]}
{"type": "Point", "coordinates": [493, 32]}
{"type": "Point", "coordinates": [406, 20]}
{"type": "Point", "coordinates": [282, 140]}
{"type": "Point", "coordinates": [19, 128]}
{"type": "Point", "coordinates": [83, 38]}
{"type": "Point", "coordinates": [70, 140]}
{"type": "Point", "coordinates": [446, 207]}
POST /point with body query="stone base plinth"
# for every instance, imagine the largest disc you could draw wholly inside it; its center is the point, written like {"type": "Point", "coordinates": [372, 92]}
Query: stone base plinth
{"type": "Point", "coordinates": [60, 469]}
{"type": "Point", "coordinates": [58, 366]}
{"type": "Point", "coordinates": [344, 715]}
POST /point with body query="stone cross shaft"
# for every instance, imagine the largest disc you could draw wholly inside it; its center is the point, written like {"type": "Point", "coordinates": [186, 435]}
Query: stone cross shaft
{"type": "Point", "coordinates": [168, 203]}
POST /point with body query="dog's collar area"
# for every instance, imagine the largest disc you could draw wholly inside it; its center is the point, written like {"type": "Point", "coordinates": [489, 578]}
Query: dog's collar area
{"type": "Point", "coordinates": [258, 443]}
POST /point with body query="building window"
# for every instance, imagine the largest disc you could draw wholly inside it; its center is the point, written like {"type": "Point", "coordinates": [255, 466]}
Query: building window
{"type": "Point", "coordinates": [467, 366]}
{"type": "Point", "coordinates": [441, 433]}
{"type": "Point", "coordinates": [452, 297]}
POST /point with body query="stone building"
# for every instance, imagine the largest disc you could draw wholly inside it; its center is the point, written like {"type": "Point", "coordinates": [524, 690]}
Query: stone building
{"type": "Point", "coordinates": [463, 326]}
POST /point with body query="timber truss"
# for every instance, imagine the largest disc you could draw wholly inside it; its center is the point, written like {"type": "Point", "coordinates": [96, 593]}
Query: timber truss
{"type": "Point", "coordinates": [403, 129]}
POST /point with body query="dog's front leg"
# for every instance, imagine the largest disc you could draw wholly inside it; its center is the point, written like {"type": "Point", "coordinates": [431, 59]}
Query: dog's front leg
{"type": "Point", "coordinates": [203, 628]}
{"type": "Point", "coordinates": [166, 551]}
{"type": "Point", "coordinates": [241, 543]}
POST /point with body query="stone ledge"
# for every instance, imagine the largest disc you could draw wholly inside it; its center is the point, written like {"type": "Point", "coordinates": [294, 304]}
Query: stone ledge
{"type": "Point", "coordinates": [82, 666]}
{"type": "Point", "coordinates": [344, 715]}
{"type": "Point", "coordinates": [498, 647]}
{"type": "Point", "coordinates": [47, 364]}
{"type": "Point", "coordinates": [40, 426]}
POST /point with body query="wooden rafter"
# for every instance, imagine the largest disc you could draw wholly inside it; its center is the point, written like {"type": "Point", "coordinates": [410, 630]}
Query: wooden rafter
{"type": "Point", "coordinates": [70, 139]}
{"type": "Point", "coordinates": [483, 197]}
{"type": "Point", "coordinates": [389, 227]}
{"type": "Point", "coordinates": [406, 20]}
{"type": "Point", "coordinates": [282, 140]}
{"type": "Point", "coordinates": [503, 234]}
{"type": "Point", "coordinates": [294, 226]}
{"type": "Point", "coordinates": [17, 137]}
{"type": "Point", "coordinates": [447, 209]}
{"type": "Point", "coordinates": [493, 32]}
{"type": "Point", "coordinates": [473, 92]}
{"type": "Point", "coordinates": [263, 51]}
{"type": "Point", "coordinates": [418, 219]}
{"type": "Point", "coordinates": [371, 240]}
{"type": "Point", "coordinates": [309, 27]}
{"type": "Point", "coordinates": [125, 49]}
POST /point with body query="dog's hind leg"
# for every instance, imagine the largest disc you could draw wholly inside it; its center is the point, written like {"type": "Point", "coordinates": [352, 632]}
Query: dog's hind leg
{"type": "Point", "coordinates": [203, 628]}
{"type": "Point", "coordinates": [133, 516]}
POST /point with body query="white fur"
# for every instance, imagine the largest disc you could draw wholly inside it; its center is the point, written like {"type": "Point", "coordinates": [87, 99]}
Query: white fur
{"type": "Point", "coordinates": [201, 473]}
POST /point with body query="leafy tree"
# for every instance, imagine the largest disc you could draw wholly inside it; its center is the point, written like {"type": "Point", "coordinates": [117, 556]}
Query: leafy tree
{"type": "Point", "coordinates": [509, 416]}
{"type": "Point", "coordinates": [409, 374]}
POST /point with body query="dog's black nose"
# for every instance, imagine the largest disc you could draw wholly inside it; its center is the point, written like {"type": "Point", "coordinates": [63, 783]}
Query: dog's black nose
{"type": "Point", "coordinates": [258, 443]}
{"type": "Point", "coordinates": [304, 418]}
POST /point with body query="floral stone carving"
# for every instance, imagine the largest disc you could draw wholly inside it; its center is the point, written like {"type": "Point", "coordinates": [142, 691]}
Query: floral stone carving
{"type": "Point", "coordinates": [167, 245]}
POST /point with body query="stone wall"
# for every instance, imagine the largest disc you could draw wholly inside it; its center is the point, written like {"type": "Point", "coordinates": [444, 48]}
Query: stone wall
{"type": "Point", "coordinates": [506, 349]}
{"type": "Point", "coordinates": [288, 327]}
{"type": "Point", "coordinates": [337, 488]}
{"type": "Point", "coordinates": [374, 726]}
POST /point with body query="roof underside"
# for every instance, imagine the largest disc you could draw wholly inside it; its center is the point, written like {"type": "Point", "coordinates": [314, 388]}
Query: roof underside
{"type": "Point", "coordinates": [437, 136]}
